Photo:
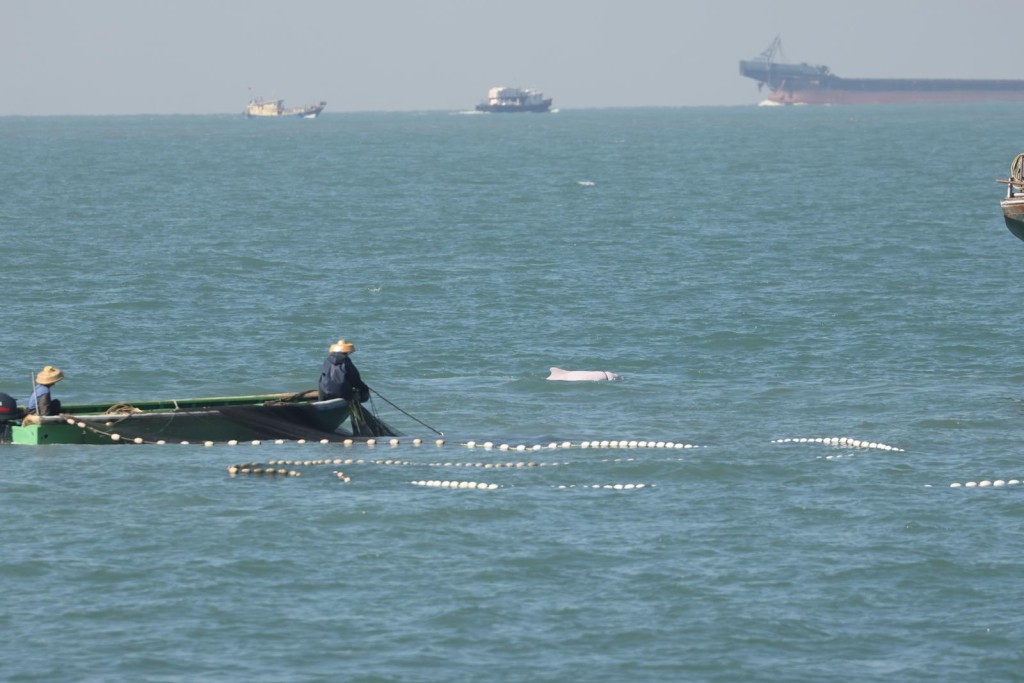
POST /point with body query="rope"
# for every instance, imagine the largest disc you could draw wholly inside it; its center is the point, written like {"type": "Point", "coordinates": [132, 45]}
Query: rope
{"type": "Point", "coordinates": [308, 395]}
{"type": "Point", "coordinates": [122, 408]}
{"type": "Point", "coordinates": [1017, 169]}
{"type": "Point", "coordinates": [413, 417]}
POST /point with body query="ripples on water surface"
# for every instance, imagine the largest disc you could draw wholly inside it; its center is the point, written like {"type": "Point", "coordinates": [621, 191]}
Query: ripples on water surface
{"type": "Point", "coordinates": [755, 275]}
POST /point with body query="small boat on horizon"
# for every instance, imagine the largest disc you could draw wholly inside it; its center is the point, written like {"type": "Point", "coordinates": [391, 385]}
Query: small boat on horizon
{"type": "Point", "coordinates": [259, 108]}
{"type": "Point", "coordinates": [1013, 204]}
{"type": "Point", "coordinates": [511, 100]}
{"type": "Point", "coordinates": [290, 416]}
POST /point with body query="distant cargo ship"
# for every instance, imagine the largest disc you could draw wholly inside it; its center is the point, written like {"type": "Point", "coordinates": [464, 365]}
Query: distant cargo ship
{"type": "Point", "coordinates": [260, 108]}
{"type": "Point", "coordinates": [503, 99]}
{"type": "Point", "coordinates": [813, 84]}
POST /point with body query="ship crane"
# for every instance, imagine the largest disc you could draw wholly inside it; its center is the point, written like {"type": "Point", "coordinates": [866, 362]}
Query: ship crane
{"type": "Point", "coordinates": [774, 49]}
{"type": "Point", "coordinates": [768, 57]}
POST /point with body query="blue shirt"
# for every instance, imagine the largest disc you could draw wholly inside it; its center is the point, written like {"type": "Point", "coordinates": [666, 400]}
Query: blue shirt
{"type": "Point", "coordinates": [41, 390]}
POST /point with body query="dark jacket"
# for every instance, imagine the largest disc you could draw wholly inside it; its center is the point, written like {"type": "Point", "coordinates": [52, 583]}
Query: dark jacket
{"type": "Point", "coordinates": [340, 379]}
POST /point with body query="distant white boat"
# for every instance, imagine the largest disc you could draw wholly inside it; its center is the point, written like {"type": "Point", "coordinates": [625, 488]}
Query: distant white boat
{"type": "Point", "coordinates": [260, 108]}
{"type": "Point", "coordinates": [503, 99]}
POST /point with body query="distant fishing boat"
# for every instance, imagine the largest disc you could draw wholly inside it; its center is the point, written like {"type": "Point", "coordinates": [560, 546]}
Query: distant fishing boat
{"type": "Point", "coordinates": [260, 108]}
{"type": "Point", "coordinates": [225, 419]}
{"type": "Point", "coordinates": [510, 100]}
{"type": "Point", "coordinates": [1013, 203]}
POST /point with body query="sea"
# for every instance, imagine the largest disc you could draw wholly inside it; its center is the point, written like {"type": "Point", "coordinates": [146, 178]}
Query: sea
{"type": "Point", "coordinates": [808, 470]}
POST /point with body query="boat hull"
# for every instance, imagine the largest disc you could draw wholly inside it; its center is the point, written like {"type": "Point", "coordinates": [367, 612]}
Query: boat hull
{"type": "Point", "coordinates": [1013, 214]}
{"type": "Point", "coordinates": [836, 96]}
{"type": "Point", "coordinates": [539, 108]}
{"type": "Point", "coordinates": [268, 111]}
{"type": "Point", "coordinates": [38, 435]}
{"type": "Point", "coordinates": [249, 418]}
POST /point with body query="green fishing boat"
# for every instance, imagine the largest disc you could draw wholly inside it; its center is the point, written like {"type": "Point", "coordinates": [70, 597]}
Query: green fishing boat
{"type": "Point", "coordinates": [290, 416]}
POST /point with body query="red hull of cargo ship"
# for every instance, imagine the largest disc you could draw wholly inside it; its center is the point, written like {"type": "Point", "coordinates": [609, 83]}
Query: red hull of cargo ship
{"type": "Point", "coordinates": [892, 97]}
{"type": "Point", "coordinates": [815, 84]}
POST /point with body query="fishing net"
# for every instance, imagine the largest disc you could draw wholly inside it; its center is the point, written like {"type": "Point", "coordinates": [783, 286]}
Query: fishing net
{"type": "Point", "coordinates": [293, 422]}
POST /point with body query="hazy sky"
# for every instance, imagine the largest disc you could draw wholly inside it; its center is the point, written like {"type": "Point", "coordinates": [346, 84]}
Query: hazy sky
{"type": "Point", "coordinates": [202, 56]}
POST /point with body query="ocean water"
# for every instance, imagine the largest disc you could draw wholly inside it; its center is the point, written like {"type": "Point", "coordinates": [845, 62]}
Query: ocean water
{"type": "Point", "coordinates": [763, 280]}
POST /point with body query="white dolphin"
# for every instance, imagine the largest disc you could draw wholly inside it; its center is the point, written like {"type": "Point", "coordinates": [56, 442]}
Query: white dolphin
{"type": "Point", "coordinates": [582, 375]}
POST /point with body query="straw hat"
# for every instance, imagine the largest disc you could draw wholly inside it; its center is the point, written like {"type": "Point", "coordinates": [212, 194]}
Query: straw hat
{"type": "Point", "coordinates": [343, 347]}
{"type": "Point", "coordinates": [49, 375]}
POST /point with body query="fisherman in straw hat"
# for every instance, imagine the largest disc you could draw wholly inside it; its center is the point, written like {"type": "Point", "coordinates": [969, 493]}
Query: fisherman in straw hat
{"type": "Point", "coordinates": [340, 378]}
{"type": "Point", "coordinates": [41, 403]}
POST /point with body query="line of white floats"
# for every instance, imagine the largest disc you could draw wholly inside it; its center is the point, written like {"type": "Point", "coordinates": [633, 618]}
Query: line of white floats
{"type": "Point", "coordinates": [256, 468]}
{"type": "Point", "coordinates": [485, 465]}
{"type": "Point", "coordinates": [273, 468]}
{"type": "Point", "coordinates": [280, 442]}
{"type": "Point", "coordinates": [451, 484]}
{"type": "Point", "coordinates": [841, 441]}
{"type": "Point", "coordinates": [488, 445]}
{"type": "Point", "coordinates": [985, 483]}
{"type": "Point", "coordinates": [446, 484]}
{"type": "Point", "coordinates": [615, 487]}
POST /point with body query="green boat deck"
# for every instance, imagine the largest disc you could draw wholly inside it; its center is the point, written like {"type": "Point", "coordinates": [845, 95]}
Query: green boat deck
{"type": "Point", "coordinates": [183, 404]}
